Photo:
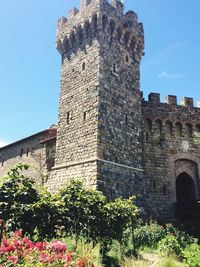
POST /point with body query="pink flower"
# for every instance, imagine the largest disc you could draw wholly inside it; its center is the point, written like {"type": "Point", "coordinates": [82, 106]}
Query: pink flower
{"type": "Point", "coordinates": [68, 257]}
{"type": "Point", "coordinates": [13, 259]}
{"type": "Point", "coordinates": [18, 234]}
{"type": "Point", "coordinates": [59, 246]}
{"type": "Point", "coordinates": [18, 244]}
{"type": "Point", "coordinates": [44, 258]}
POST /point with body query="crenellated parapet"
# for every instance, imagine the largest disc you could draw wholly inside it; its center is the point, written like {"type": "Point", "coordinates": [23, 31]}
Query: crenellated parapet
{"type": "Point", "coordinates": [186, 102]}
{"type": "Point", "coordinates": [169, 121]}
{"type": "Point", "coordinates": [105, 22]}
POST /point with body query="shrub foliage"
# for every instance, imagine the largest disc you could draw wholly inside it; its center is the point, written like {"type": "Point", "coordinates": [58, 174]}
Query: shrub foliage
{"type": "Point", "coordinates": [74, 209]}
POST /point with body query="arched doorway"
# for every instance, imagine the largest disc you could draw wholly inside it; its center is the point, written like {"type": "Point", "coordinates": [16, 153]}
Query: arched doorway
{"type": "Point", "coordinates": [185, 188]}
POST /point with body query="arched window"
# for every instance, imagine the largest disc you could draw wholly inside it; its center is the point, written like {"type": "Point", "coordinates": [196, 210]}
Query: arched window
{"type": "Point", "coordinates": [169, 128]}
{"type": "Point", "coordinates": [119, 33]}
{"type": "Point", "coordinates": [104, 22]}
{"type": "Point", "coordinates": [66, 45]}
{"type": "Point", "coordinates": [112, 27]}
{"type": "Point", "coordinates": [80, 34]}
{"type": "Point", "coordinates": [179, 129]}
{"type": "Point", "coordinates": [158, 127]}
{"type": "Point", "coordinates": [94, 22]}
{"type": "Point", "coordinates": [86, 28]}
{"type": "Point", "coordinates": [126, 38]}
{"type": "Point", "coordinates": [72, 40]}
{"type": "Point", "coordinates": [147, 128]}
{"type": "Point", "coordinates": [189, 130]}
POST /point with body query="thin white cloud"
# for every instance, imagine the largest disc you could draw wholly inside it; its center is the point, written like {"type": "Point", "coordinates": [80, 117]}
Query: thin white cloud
{"type": "Point", "coordinates": [166, 75]}
{"type": "Point", "coordinates": [165, 55]}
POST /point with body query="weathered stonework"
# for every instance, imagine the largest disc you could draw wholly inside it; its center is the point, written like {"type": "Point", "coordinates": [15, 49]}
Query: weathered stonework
{"type": "Point", "coordinates": [106, 133]}
{"type": "Point", "coordinates": [38, 151]}
{"type": "Point", "coordinates": [100, 111]}
{"type": "Point", "coordinates": [169, 149]}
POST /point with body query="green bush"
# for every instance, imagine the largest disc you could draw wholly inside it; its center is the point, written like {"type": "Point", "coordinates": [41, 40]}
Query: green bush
{"type": "Point", "coordinates": [86, 212]}
{"type": "Point", "coordinates": [80, 209]}
{"type": "Point", "coordinates": [183, 238]}
{"type": "Point", "coordinates": [16, 193]}
{"type": "Point", "coordinates": [169, 245]}
{"type": "Point", "coordinates": [73, 210]}
{"type": "Point", "coordinates": [191, 255]}
{"type": "Point", "coordinates": [149, 234]}
{"type": "Point", "coordinates": [25, 205]}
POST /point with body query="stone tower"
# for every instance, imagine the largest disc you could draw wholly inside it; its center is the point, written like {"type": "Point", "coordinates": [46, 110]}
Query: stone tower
{"type": "Point", "coordinates": [99, 124]}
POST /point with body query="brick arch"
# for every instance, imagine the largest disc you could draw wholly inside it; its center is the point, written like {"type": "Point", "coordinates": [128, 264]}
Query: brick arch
{"type": "Point", "coordinates": [185, 156]}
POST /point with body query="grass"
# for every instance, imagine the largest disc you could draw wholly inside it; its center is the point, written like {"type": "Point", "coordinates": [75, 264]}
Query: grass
{"type": "Point", "coordinates": [152, 260]}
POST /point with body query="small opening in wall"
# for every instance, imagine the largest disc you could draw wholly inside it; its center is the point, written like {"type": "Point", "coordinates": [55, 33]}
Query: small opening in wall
{"type": "Point", "coordinates": [154, 186]}
{"type": "Point", "coordinates": [83, 66]}
{"type": "Point", "coordinates": [2, 163]}
{"type": "Point", "coordinates": [164, 189]}
{"type": "Point", "coordinates": [68, 117]}
{"type": "Point", "coordinates": [147, 136]}
{"type": "Point", "coordinates": [127, 59]}
{"type": "Point", "coordinates": [27, 152]}
{"type": "Point", "coordinates": [126, 120]}
{"type": "Point", "coordinates": [21, 153]}
{"type": "Point", "coordinates": [73, 70]}
{"type": "Point", "coordinates": [114, 68]}
{"type": "Point", "coordinates": [84, 115]}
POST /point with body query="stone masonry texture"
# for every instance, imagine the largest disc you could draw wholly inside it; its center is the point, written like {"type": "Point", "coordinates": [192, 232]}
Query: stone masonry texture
{"type": "Point", "coordinates": [107, 133]}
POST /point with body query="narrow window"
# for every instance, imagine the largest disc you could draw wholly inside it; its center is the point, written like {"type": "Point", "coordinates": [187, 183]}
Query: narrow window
{"type": "Point", "coordinates": [27, 152]}
{"type": "Point", "coordinates": [84, 115]}
{"type": "Point", "coordinates": [127, 59]}
{"type": "Point", "coordinates": [114, 68]}
{"type": "Point", "coordinates": [68, 117]}
{"type": "Point", "coordinates": [2, 163]}
{"type": "Point", "coordinates": [83, 66]}
{"type": "Point", "coordinates": [21, 153]}
{"type": "Point", "coordinates": [126, 120]}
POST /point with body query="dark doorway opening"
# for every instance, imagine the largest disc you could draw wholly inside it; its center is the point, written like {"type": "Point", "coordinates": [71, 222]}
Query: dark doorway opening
{"type": "Point", "coordinates": [187, 207]}
{"type": "Point", "coordinates": [185, 188]}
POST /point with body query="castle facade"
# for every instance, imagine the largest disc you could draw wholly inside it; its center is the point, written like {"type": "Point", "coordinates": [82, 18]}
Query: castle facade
{"type": "Point", "coordinates": [107, 133]}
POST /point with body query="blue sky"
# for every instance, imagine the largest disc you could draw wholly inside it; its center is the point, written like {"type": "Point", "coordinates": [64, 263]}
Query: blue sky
{"type": "Point", "coordinates": [30, 64]}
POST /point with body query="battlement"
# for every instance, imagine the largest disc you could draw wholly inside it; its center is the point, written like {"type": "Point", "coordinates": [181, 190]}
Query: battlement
{"type": "Point", "coordinates": [188, 102]}
{"type": "Point", "coordinates": [103, 21]}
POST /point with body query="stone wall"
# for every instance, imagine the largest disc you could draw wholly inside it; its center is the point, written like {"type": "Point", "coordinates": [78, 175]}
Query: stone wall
{"type": "Point", "coordinates": [38, 151]}
{"type": "Point", "coordinates": [169, 149]}
{"type": "Point", "coordinates": [100, 111]}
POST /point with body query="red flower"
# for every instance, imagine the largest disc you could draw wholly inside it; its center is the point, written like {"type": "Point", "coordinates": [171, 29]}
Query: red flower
{"type": "Point", "coordinates": [82, 263]}
{"type": "Point", "coordinates": [40, 246]}
{"type": "Point", "coordinates": [18, 245]}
